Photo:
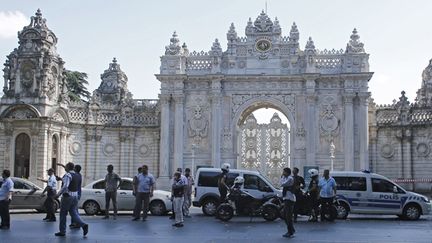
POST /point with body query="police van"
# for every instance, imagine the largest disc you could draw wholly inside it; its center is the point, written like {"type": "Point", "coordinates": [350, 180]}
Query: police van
{"type": "Point", "coordinates": [206, 194]}
{"type": "Point", "coordinates": [369, 193]}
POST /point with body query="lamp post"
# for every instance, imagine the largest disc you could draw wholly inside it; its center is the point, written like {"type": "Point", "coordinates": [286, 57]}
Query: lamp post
{"type": "Point", "coordinates": [194, 146]}
{"type": "Point", "coordinates": [332, 156]}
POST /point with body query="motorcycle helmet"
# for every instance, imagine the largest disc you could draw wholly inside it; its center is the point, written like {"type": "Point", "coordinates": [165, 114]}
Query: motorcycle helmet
{"type": "Point", "coordinates": [239, 180]}
{"type": "Point", "coordinates": [313, 172]}
{"type": "Point", "coordinates": [225, 167]}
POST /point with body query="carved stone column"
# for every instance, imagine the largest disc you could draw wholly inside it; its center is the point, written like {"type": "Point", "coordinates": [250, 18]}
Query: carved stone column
{"type": "Point", "coordinates": [349, 131]}
{"type": "Point", "coordinates": [164, 136]}
{"type": "Point", "coordinates": [364, 131]}
{"type": "Point", "coordinates": [34, 132]}
{"type": "Point", "coordinates": [216, 120]}
{"type": "Point", "coordinates": [311, 121]}
{"type": "Point", "coordinates": [178, 130]}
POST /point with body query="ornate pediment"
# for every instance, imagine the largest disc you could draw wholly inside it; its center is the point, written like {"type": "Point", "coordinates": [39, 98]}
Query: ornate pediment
{"type": "Point", "coordinates": [20, 112]}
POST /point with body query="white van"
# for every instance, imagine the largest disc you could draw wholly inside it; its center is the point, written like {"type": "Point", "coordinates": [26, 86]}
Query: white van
{"type": "Point", "coordinates": [369, 193]}
{"type": "Point", "coordinates": [207, 193]}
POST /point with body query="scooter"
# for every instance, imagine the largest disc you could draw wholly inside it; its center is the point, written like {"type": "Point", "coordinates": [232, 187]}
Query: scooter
{"type": "Point", "coordinates": [244, 204]}
{"type": "Point", "coordinates": [304, 207]}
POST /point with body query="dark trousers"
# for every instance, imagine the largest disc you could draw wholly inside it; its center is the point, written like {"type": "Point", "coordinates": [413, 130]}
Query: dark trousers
{"type": "Point", "coordinates": [49, 206]}
{"type": "Point", "coordinates": [4, 213]}
{"type": "Point", "coordinates": [325, 201]}
{"type": "Point", "coordinates": [69, 205]}
{"type": "Point", "coordinates": [288, 209]}
{"type": "Point", "coordinates": [223, 194]}
{"type": "Point", "coordinates": [113, 197]}
{"type": "Point", "coordinates": [299, 199]}
{"type": "Point", "coordinates": [142, 200]}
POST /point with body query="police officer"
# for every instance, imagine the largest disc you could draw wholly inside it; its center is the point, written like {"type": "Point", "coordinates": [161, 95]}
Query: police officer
{"type": "Point", "coordinates": [313, 190]}
{"type": "Point", "coordinates": [222, 182]}
{"type": "Point", "coordinates": [51, 190]}
{"type": "Point", "coordinates": [299, 184]}
{"type": "Point", "coordinates": [327, 187]}
{"type": "Point", "coordinates": [69, 200]}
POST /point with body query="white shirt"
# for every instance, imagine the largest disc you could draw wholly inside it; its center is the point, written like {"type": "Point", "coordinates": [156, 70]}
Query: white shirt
{"type": "Point", "coordinates": [288, 181]}
{"type": "Point", "coordinates": [52, 182]}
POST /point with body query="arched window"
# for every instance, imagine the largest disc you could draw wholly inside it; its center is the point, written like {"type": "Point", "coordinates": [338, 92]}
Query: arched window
{"type": "Point", "coordinates": [22, 156]}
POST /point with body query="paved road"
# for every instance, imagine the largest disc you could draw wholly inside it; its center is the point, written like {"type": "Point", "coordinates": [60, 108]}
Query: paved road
{"type": "Point", "coordinates": [29, 228]}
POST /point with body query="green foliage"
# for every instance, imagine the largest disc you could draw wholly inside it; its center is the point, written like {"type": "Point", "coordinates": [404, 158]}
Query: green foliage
{"type": "Point", "coordinates": [76, 84]}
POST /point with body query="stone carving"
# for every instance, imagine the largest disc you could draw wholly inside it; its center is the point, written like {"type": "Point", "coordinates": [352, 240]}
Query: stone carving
{"type": "Point", "coordinates": [300, 141]}
{"type": "Point", "coordinates": [354, 45]}
{"type": "Point", "coordinates": [198, 124]}
{"type": "Point", "coordinates": [226, 139]}
{"type": "Point", "coordinates": [423, 149]}
{"type": "Point", "coordinates": [240, 99]}
{"type": "Point", "coordinates": [21, 114]}
{"type": "Point", "coordinates": [58, 117]}
{"type": "Point", "coordinates": [143, 150]}
{"type": "Point", "coordinates": [108, 149]}
{"type": "Point", "coordinates": [387, 151]}
{"type": "Point", "coordinates": [75, 148]}
{"type": "Point", "coordinates": [329, 123]}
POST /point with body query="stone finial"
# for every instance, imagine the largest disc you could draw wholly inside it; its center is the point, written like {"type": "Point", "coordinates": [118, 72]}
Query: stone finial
{"type": "Point", "coordinates": [263, 23]}
{"type": "Point", "coordinates": [37, 21]}
{"type": "Point", "coordinates": [427, 74]}
{"type": "Point", "coordinates": [185, 49]}
{"type": "Point", "coordinates": [232, 34]}
{"type": "Point", "coordinates": [114, 66]}
{"type": "Point", "coordinates": [310, 47]}
{"type": "Point", "coordinates": [174, 47]}
{"type": "Point", "coordinates": [294, 33]}
{"type": "Point", "coordinates": [276, 26]}
{"type": "Point", "coordinates": [216, 49]}
{"type": "Point", "coordinates": [354, 45]}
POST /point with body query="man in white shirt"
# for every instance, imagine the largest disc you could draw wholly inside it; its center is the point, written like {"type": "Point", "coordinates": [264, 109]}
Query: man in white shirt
{"type": "Point", "coordinates": [5, 199]}
{"type": "Point", "coordinates": [51, 190]}
{"type": "Point", "coordinates": [287, 183]}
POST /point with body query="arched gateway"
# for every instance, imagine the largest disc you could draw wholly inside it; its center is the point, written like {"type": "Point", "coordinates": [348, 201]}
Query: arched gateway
{"type": "Point", "coordinates": [206, 95]}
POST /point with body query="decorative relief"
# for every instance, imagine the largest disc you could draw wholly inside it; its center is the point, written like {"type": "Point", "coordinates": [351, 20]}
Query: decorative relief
{"type": "Point", "coordinates": [143, 150]}
{"type": "Point", "coordinates": [240, 99]}
{"type": "Point", "coordinates": [329, 123]}
{"type": "Point", "coordinates": [226, 140]}
{"type": "Point", "coordinates": [75, 148]}
{"type": "Point", "coordinates": [300, 141]}
{"type": "Point", "coordinates": [387, 150]}
{"type": "Point", "coordinates": [58, 117]}
{"type": "Point", "coordinates": [423, 149]}
{"type": "Point", "coordinates": [21, 114]}
{"type": "Point", "coordinates": [108, 149]}
{"type": "Point", "coordinates": [198, 121]}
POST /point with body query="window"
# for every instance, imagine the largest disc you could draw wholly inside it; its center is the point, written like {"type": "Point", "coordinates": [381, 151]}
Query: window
{"type": "Point", "coordinates": [20, 185]}
{"type": "Point", "coordinates": [254, 182]}
{"type": "Point", "coordinates": [350, 183]}
{"type": "Point", "coordinates": [99, 185]}
{"type": "Point", "coordinates": [126, 185]}
{"type": "Point", "coordinates": [381, 185]}
{"type": "Point", "coordinates": [210, 178]}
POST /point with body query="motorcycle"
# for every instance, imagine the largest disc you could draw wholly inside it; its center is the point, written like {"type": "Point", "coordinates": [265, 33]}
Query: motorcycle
{"type": "Point", "coordinates": [304, 207]}
{"type": "Point", "coordinates": [244, 204]}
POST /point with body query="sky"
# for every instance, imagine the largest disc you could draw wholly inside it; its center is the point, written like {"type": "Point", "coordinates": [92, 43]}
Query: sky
{"type": "Point", "coordinates": [396, 34]}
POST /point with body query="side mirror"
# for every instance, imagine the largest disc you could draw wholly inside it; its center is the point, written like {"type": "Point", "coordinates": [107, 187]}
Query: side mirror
{"type": "Point", "coordinates": [395, 189]}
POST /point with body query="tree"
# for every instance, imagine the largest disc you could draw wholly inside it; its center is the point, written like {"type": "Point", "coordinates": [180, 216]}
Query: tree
{"type": "Point", "coordinates": [76, 83]}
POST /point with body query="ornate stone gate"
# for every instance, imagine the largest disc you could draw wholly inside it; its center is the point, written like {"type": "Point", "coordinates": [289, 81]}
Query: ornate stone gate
{"type": "Point", "coordinates": [206, 96]}
{"type": "Point", "coordinates": [264, 147]}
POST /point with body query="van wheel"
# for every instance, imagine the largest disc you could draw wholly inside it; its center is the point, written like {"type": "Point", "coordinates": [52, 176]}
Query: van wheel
{"type": "Point", "coordinates": [209, 206]}
{"type": "Point", "coordinates": [411, 212]}
{"type": "Point", "coordinates": [342, 210]}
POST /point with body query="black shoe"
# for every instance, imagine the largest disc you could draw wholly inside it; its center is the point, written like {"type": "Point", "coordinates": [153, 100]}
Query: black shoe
{"type": "Point", "coordinates": [4, 227]}
{"type": "Point", "coordinates": [172, 217]}
{"type": "Point", "coordinates": [85, 229]}
{"type": "Point", "coordinates": [180, 225]}
{"type": "Point", "coordinates": [135, 219]}
{"type": "Point", "coordinates": [60, 234]}
{"type": "Point", "coordinates": [144, 219]}
{"type": "Point", "coordinates": [105, 217]}
{"type": "Point", "coordinates": [50, 220]}
{"type": "Point", "coordinates": [46, 218]}
{"type": "Point", "coordinates": [288, 235]}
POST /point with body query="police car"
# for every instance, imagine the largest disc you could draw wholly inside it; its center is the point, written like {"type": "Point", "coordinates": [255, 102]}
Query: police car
{"type": "Point", "coordinates": [369, 193]}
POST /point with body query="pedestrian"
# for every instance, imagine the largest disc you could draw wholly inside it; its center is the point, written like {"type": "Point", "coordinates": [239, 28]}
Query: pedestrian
{"type": "Point", "coordinates": [188, 193]}
{"type": "Point", "coordinates": [287, 183]}
{"type": "Point", "coordinates": [51, 190]}
{"type": "Point", "coordinates": [184, 180]}
{"type": "Point", "coordinates": [5, 199]}
{"type": "Point", "coordinates": [299, 184]}
{"type": "Point", "coordinates": [327, 187]}
{"type": "Point", "coordinates": [178, 190]}
{"type": "Point", "coordinates": [145, 187]}
{"type": "Point", "coordinates": [135, 182]}
{"type": "Point", "coordinates": [112, 183]}
{"type": "Point", "coordinates": [77, 170]}
{"type": "Point", "coordinates": [222, 182]}
{"type": "Point", "coordinates": [69, 201]}
{"type": "Point", "coordinates": [313, 190]}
